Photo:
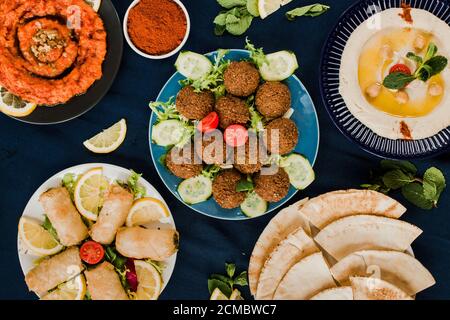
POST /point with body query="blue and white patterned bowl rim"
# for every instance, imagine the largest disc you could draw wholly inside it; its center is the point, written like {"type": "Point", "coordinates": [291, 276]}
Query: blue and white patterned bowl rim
{"type": "Point", "coordinates": [351, 127]}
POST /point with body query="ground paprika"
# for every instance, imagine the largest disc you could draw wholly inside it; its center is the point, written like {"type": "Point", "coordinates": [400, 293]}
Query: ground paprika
{"type": "Point", "coordinates": [157, 27]}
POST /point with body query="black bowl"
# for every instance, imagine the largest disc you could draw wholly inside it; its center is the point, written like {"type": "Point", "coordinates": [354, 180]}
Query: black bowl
{"type": "Point", "coordinates": [78, 105]}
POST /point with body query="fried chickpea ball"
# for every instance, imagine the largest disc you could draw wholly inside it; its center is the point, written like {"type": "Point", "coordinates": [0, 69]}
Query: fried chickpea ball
{"type": "Point", "coordinates": [194, 105]}
{"type": "Point", "coordinates": [273, 99]}
{"type": "Point", "coordinates": [183, 162]}
{"type": "Point", "coordinates": [232, 110]}
{"type": "Point", "coordinates": [241, 78]}
{"type": "Point", "coordinates": [224, 189]}
{"type": "Point", "coordinates": [272, 188]}
{"type": "Point", "coordinates": [281, 136]}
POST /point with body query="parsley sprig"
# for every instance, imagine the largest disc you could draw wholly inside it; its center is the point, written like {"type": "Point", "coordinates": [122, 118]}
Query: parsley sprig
{"type": "Point", "coordinates": [423, 192]}
{"type": "Point", "coordinates": [428, 66]}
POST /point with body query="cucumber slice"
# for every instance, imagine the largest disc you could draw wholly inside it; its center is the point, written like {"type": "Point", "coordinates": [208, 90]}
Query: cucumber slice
{"type": "Point", "coordinates": [254, 206]}
{"type": "Point", "coordinates": [299, 170]}
{"type": "Point", "coordinates": [195, 190]}
{"type": "Point", "coordinates": [193, 65]}
{"type": "Point", "coordinates": [168, 133]}
{"type": "Point", "coordinates": [252, 7]}
{"type": "Point", "coordinates": [279, 66]}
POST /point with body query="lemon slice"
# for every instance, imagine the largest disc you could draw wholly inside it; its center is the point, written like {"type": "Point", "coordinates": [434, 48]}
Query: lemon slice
{"type": "Point", "coordinates": [36, 238]}
{"type": "Point", "coordinates": [74, 289]}
{"type": "Point", "coordinates": [108, 140]}
{"type": "Point", "coordinates": [267, 7]}
{"type": "Point", "coordinates": [147, 210]}
{"type": "Point", "coordinates": [13, 105]}
{"type": "Point", "coordinates": [285, 2]}
{"type": "Point", "coordinates": [95, 4]}
{"type": "Point", "coordinates": [236, 295]}
{"type": "Point", "coordinates": [89, 191]}
{"type": "Point", "coordinates": [149, 280]}
{"type": "Point", "coordinates": [218, 295]}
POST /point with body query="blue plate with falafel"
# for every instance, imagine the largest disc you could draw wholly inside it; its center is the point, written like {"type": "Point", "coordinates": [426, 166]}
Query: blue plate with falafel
{"type": "Point", "coordinates": [234, 133]}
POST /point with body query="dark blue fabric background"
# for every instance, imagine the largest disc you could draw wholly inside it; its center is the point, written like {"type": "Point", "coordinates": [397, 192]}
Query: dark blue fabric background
{"type": "Point", "coordinates": [31, 154]}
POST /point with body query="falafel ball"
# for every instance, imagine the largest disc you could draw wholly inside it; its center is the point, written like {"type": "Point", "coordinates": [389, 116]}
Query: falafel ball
{"type": "Point", "coordinates": [281, 136]}
{"type": "Point", "coordinates": [247, 158]}
{"type": "Point", "coordinates": [183, 162]}
{"type": "Point", "coordinates": [273, 99]}
{"type": "Point", "coordinates": [232, 110]}
{"type": "Point", "coordinates": [194, 105]}
{"type": "Point", "coordinates": [272, 188]}
{"type": "Point", "coordinates": [211, 148]}
{"type": "Point", "coordinates": [224, 189]}
{"type": "Point", "coordinates": [241, 78]}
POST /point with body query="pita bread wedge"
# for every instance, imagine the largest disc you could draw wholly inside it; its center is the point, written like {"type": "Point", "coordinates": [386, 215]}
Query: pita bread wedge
{"type": "Point", "coordinates": [397, 268]}
{"type": "Point", "coordinates": [305, 279]}
{"type": "Point", "coordinates": [329, 207]}
{"type": "Point", "coordinates": [284, 223]}
{"type": "Point", "coordinates": [295, 247]}
{"type": "Point", "coordinates": [363, 232]}
{"type": "Point", "coordinates": [376, 289]}
{"type": "Point", "coordinates": [339, 294]}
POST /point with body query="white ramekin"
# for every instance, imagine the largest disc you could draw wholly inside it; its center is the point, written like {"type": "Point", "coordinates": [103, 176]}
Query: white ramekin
{"type": "Point", "coordinates": [163, 56]}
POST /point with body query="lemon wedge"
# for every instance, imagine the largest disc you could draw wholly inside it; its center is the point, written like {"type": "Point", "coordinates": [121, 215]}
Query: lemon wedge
{"type": "Point", "coordinates": [95, 4]}
{"type": "Point", "coordinates": [13, 105]}
{"type": "Point", "coordinates": [74, 289]}
{"type": "Point", "coordinates": [89, 191]}
{"type": "Point", "coordinates": [236, 295]}
{"type": "Point", "coordinates": [147, 210]}
{"type": "Point", "coordinates": [267, 7]}
{"type": "Point", "coordinates": [218, 295]}
{"type": "Point", "coordinates": [36, 238]}
{"type": "Point", "coordinates": [109, 139]}
{"type": "Point", "coordinates": [149, 279]}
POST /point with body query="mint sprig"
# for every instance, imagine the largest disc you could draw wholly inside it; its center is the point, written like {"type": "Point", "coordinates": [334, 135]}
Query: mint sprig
{"type": "Point", "coordinates": [428, 66]}
{"type": "Point", "coordinates": [226, 283]}
{"type": "Point", "coordinates": [312, 10]}
{"type": "Point", "coordinates": [423, 192]}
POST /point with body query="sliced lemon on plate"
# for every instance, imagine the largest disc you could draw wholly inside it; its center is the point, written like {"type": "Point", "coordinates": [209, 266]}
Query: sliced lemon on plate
{"type": "Point", "coordinates": [149, 279]}
{"type": "Point", "coordinates": [267, 7]}
{"type": "Point", "coordinates": [147, 210]}
{"type": "Point", "coordinates": [89, 192]}
{"type": "Point", "coordinates": [109, 139]}
{"type": "Point", "coordinates": [218, 295]}
{"type": "Point", "coordinates": [236, 295]}
{"type": "Point", "coordinates": [95, 4]}
{"type": "Point", "coordinates": [36, 238]}
{"type": "Point", "coordinates": [74, 289]}
{"type": "Point", "coordinates": [14, 106]}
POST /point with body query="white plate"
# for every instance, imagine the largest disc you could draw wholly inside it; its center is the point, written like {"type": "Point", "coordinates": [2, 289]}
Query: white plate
{"type": "Point", "coordinates": [35, 210]}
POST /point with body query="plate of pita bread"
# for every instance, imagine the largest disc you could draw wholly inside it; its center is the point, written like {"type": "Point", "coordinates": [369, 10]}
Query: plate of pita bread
{"type": "Point", "coordinates": [342, 245]}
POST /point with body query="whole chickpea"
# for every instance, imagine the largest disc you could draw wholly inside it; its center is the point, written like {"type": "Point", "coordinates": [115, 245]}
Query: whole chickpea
{"type": "Point", "coordinates": [386, 52]}
{"type": "Point", "coordinates": [373, 90]}
{"type": "Point", "coordinates": [435, 90]}
{"type": "Point", "coordinates": [402, 97]}
{"type": "Point", "coordinates": [419, 42]}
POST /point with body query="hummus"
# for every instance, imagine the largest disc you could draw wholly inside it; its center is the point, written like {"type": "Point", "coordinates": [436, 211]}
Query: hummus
{"type": "Point", "coordinates": [389, 114]}
{"type": "Point", "coordinates": [50, 51]}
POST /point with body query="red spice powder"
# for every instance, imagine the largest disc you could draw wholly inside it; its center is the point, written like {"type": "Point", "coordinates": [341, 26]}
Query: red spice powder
{"type": "Point", "coordinates": [406, 15]}
{"type": "Point", "coordinates": [404, 129]}
{"type": "Point", "coordinates": [157, 27]}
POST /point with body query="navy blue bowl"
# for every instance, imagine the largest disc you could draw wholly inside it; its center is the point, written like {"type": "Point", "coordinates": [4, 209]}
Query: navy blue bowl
{"type": "Point", "coordinates": [305, 117]}
{"type": "Point", "coordinates": [344, 120]}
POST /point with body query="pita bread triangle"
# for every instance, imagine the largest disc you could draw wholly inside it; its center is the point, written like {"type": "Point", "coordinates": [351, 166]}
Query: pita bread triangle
{"type": "Point", "coordinates": [376, 289]}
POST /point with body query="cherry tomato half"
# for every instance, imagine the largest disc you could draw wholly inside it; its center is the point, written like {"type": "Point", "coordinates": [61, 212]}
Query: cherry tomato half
{"type": "Point", "coordinates": [236, 135]}
{"type": "Point", "coordinates": [92, 252]}
{"type": "Point", "coordinates": [400, 67]}
{"type": "Point", "coordinates": [209, 123]}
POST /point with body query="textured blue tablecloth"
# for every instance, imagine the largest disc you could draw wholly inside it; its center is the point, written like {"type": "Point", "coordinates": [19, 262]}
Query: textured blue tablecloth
{"type": "Point", "coordinates": [31, 154]}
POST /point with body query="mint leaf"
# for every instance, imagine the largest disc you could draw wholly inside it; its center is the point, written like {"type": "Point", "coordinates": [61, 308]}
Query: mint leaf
{"type": "Point", "coordinates": [240, 26]}
{"type": "Point", "coordinates": [414, 57]}
{"type": "Point", "coordinates": [397, 80]}
{"type": "Point", "coordinates": [424, 73]}
{"type": "Point", "coordinates": [396, 179]}
{"type": "Point", "coordinates": [312, 10]}
{"type": "Point", "coordinates": [228, 4]}
{"type": "Point", "coordinates": [223, 286]}
{"type": "Point", "coordinates": [221, 19]}
{"type": "Point", "coordinates": [252, 7]}
{"type": "Point", "coordinates": [437, 65]}
{"type": "Point", "coordinates": [431, 51]}
{"type": "Point", "coordinates": [405, 166]}
{"type": "Point", "coordinates": [244, 186]}
{"type": "Point", "coordinates": [231, 269]}
{"type": "Point", "coordinates": [414, 193]}
{"type": "Point", "coordinates": [434, 184]}
{"type": "Point", "coordinates": [241, 280]}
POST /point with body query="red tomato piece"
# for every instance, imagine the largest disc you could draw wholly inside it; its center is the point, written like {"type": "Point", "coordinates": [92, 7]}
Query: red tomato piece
{"type": "Point", "coordinates": [92, 252]}
{"type": "Point", "coordinates": [400, 67]}
{"type": "Point", "coordinates": [236, 135]}
{"type": "Point", "coordinates": [209, 123]}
